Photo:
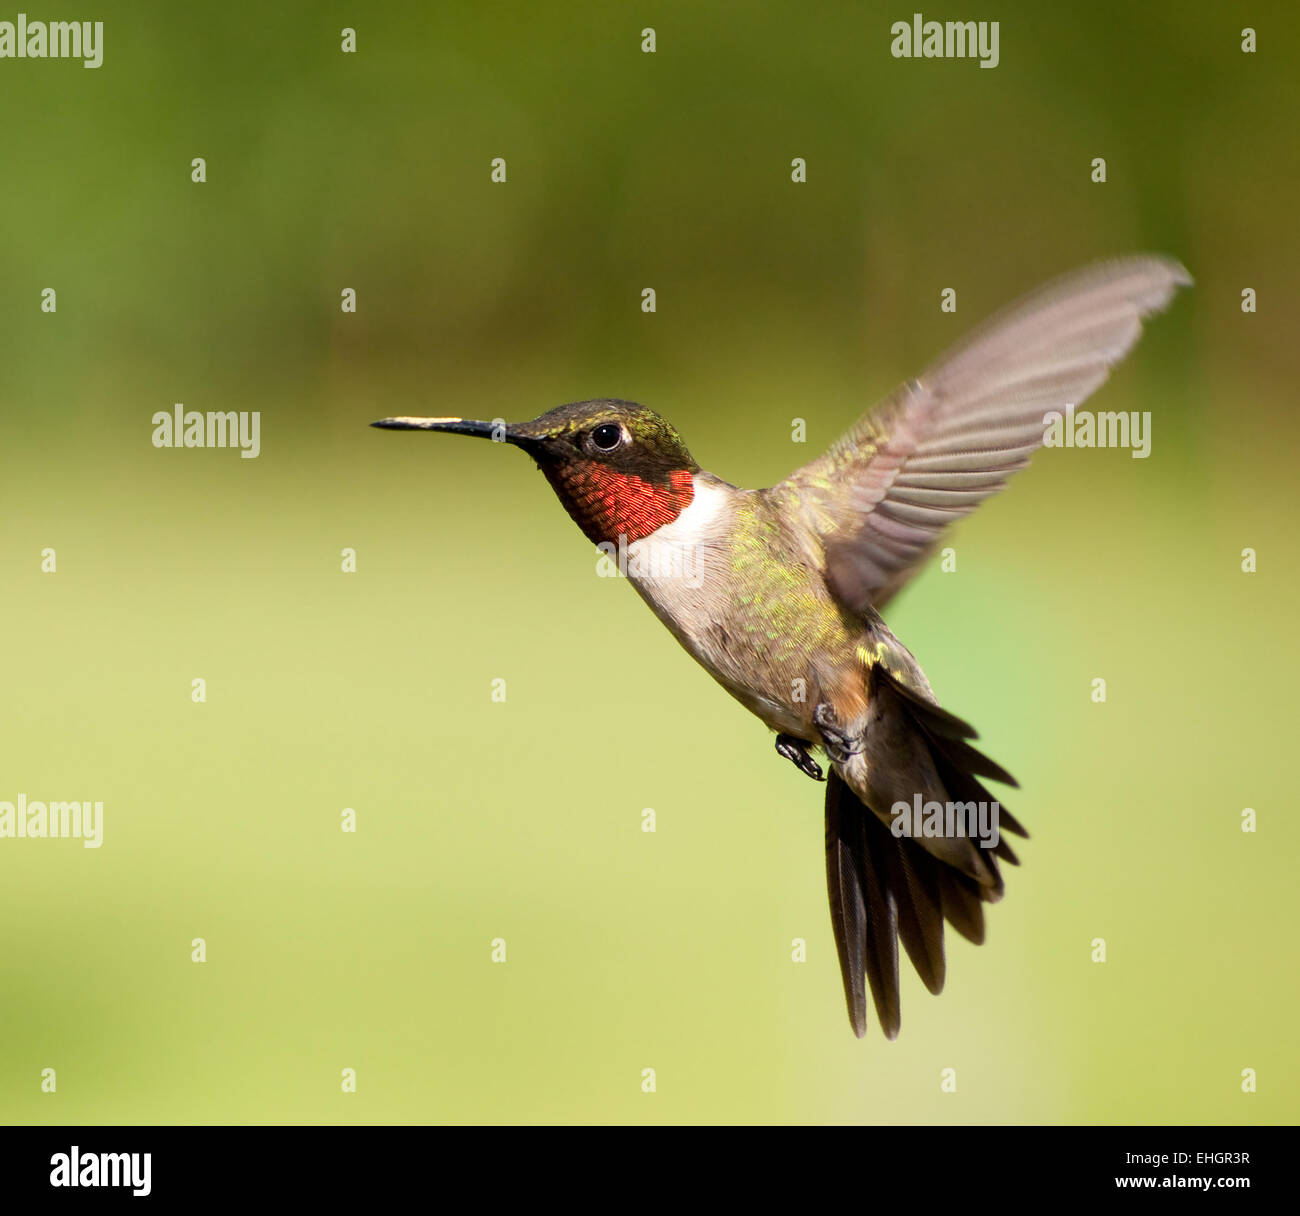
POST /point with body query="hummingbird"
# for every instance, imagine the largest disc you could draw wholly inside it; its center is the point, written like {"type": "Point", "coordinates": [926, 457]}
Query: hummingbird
{"type": "Point", "coordinates": [778, 594]}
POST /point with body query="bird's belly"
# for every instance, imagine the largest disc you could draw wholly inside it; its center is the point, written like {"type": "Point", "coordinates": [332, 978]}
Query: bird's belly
{"type": "Point", "coordinates": [772, 678]}
{"type": "Point", "coordinates": [776, 702]}
{"type": "Point", "coordinates": [784, 719]}
{"type": "Point", "coordinates": [745, 606]}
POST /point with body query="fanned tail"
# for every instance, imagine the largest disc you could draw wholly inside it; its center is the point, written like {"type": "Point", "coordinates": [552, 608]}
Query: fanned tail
{"type": "Point", "coordinates": [885, 889]}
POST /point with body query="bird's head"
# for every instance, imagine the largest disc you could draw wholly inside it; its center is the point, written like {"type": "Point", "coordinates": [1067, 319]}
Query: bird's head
{"type": "Point", "coordinates": [619, 468]}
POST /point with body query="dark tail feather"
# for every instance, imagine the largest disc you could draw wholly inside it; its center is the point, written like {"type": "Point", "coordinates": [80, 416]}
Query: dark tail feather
{"type": "Point", "coordinates": [881, 890]}
{"type": "Point", "coordinates": [885, 889]}
{"type": "Point", "coordinates": [846, 884]}
{"type": "Point", "coordinates": [959, 764]}
{"type": "Point", "coordinates": [962, 908]}
{"type": "Point", "coordinates": [881, 962]}
{"type": "Point", "coordinates": [917, 886]}
{"type": "Point", "coordinates": [862, 872]}
{"type": "Point", "coordinates": [963, 756]}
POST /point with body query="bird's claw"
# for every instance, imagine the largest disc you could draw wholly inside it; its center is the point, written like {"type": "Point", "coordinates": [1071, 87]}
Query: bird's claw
{"type": "Point", "coordinates": [796, 751]}
{"type": "Point", "coordinates": [840, 745]}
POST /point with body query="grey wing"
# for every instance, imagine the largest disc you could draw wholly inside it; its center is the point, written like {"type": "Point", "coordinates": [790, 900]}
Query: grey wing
{"type": "Point", "coordinates": [880, 498]}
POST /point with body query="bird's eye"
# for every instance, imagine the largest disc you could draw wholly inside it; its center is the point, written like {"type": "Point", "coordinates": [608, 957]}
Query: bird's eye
{"type": "Point", "coordinates": [607, 436]}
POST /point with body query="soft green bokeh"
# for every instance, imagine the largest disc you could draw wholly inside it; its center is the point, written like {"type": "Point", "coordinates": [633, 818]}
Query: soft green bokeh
{"type": "Point", "coordinates": [522, 819]}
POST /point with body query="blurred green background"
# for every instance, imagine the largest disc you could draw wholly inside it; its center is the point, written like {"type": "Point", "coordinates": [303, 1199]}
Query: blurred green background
{"type": "Point", "coordinates": [521, 819]}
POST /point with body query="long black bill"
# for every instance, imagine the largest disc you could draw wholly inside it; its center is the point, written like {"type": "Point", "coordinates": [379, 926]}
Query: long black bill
{"type": "Point", "coordinates": [497, 431]}
{"type": "Point", "coordinates": [457, 426]}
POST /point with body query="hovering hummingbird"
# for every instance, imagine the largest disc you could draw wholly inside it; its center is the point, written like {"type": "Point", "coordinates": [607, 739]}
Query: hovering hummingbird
{"type": "Point", "coordinates": [777, 592]}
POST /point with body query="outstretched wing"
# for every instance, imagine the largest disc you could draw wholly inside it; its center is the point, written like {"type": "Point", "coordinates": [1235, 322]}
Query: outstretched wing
{"type": "Point", "coordinates": [929, 454]}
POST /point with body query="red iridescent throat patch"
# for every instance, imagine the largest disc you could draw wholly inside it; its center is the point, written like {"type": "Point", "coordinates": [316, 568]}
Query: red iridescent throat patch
{"type": "Point", "coordinates": [607, 504]}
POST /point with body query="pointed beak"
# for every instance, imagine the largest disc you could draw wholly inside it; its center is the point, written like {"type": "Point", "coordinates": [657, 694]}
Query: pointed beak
{"type": "Point", "coordinates": [497, 431]}
{"type": "Point", "coordinates": [457, 426]}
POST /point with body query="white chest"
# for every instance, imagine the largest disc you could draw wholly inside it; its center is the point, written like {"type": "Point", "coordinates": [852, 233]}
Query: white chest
{"type": "Point", "coordinates": [682, 551]}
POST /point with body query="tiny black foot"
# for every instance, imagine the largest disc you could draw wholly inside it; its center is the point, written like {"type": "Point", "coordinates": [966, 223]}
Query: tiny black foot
{"type": "Point", "coordinates": [796, 751]}
{"type": "Point", "coordinates": [840, 745]}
